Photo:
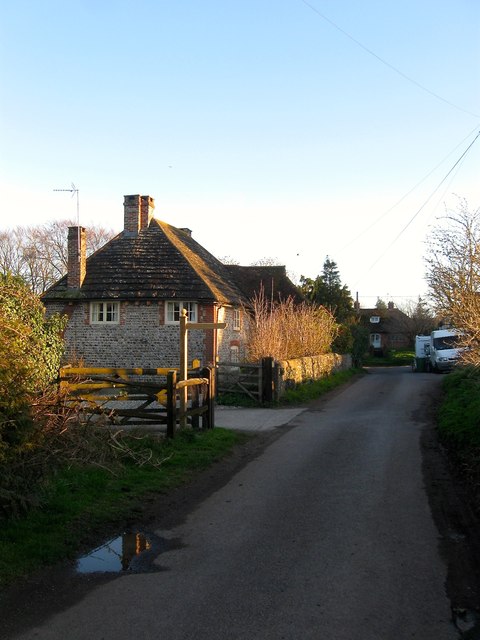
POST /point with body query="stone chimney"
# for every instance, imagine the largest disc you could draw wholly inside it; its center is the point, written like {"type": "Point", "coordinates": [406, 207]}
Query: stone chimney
{"type": "Point", "coordinates": [77, 257]}
{"type": "Point", "coordinates": [138, 211]}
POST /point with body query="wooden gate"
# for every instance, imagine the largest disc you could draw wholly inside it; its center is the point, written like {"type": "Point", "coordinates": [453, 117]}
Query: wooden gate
{"type": "Point", "coordinates": [139, 397]}
{"type": "Point", "coordinates": [258, 381]}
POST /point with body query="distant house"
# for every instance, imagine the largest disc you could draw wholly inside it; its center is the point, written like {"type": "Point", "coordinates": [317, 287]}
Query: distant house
{"type": "Point", "coordinates": [388, 328]}
{"type": "Point", "coordinates": [124, 302]}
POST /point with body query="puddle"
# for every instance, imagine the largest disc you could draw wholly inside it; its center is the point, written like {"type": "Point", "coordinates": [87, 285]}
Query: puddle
{"type": "Point", "coordinates": [132, 551]}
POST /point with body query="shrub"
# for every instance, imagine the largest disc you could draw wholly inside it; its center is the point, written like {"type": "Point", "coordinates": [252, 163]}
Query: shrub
{"type": "Point", "coordinates": [287, 330]}
{"type": "Point", "coordinates": [30, 350]}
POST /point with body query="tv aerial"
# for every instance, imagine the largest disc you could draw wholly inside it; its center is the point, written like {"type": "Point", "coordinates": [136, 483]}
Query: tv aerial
{"type": "Point", "coordinates": [74, 191]}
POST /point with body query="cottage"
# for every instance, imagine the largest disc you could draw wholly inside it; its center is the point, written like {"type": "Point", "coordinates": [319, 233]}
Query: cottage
{"type": "Point", "coordinates": [388, 328]}
{"type": "Point", "coordinates": [124, 302]}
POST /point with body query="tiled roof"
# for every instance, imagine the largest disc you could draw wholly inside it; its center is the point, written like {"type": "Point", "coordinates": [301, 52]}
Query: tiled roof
{"type": "Point", "coordinates": [390, 319]}
{"type": "Point", "coordinates": [160, 262]}
{"type": "Point", "coordinates": [274, 280]}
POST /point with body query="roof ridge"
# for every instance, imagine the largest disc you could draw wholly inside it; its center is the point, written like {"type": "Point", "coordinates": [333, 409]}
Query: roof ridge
{"type": "Point", "coordinates": [196, 261]}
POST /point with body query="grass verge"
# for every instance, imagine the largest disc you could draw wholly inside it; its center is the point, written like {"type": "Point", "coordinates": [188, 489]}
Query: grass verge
{"type": "Point", "coordinates": [312, 390]}
{"type": "Point", "coordinates": [77, 501]}
{"type": "Point", "coordinates": [459, 425]}
{"type": "Point", "coordinates": [391, 359]}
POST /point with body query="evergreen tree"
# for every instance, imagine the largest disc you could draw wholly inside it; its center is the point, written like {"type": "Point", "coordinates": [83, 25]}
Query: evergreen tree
{"type": "Point", "coordinates": [327, 290]}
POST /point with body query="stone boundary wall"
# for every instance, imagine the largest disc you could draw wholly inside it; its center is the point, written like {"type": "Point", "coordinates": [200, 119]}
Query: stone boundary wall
{"type": "Point", "coordinates": [312, 368]}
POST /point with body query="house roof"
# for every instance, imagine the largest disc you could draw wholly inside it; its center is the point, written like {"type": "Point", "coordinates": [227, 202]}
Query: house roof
{"type": "Point", "coordinates": [160, 262]}
{"type": "Point", "coordinates": [273, 280]}
{"type": "Point", "coordinates": [390, 319]}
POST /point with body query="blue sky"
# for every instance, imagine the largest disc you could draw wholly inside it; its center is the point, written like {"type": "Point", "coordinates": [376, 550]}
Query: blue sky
{"type": "Point", "coordinates": [264, 126]}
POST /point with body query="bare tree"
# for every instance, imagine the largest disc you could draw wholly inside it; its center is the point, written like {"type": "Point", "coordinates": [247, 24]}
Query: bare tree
{"type": "Point", "coordinates": [266, 262]}
{"type": "Point", "coordinates": [453, 274]}
{"type": "Point", "coordinates": [39, 254]}
{"type": "Point", "coordinates": [419, 318]}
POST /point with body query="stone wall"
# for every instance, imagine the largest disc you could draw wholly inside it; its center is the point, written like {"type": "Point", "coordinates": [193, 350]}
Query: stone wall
{"type": "Point", "coordinates": [312, 368]}
{"type": "Point", "coordinates": [141, 339]}
{"type": "Point", "coordinates": [231, 336]}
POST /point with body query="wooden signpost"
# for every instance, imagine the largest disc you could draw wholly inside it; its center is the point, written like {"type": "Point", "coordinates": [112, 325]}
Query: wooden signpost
{"type": "Point", "coordinates": [183, 373]}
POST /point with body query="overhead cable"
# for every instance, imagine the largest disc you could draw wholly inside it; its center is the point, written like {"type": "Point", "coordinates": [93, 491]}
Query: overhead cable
{"type": "Point", "coordinates": [394, 206]}
{"type": "Point", "coordinates": [383, 61]}
{"type": "Point", "coordinates": [402, 231]}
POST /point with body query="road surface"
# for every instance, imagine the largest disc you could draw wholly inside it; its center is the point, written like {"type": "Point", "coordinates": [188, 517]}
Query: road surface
{"type": "Point", "coordinates": [327, 534]}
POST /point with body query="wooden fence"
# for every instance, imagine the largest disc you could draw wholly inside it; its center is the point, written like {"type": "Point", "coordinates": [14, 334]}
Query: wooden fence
{"type": "Point", "coordinates": [142, 397]}
{"type": "Point", "coordinates": [258, 381]}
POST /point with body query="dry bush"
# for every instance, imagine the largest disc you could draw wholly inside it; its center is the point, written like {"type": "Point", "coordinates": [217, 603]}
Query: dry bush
{"type": "Point", "coordinates": [453, 275]}
{"type": "Point", "coordinates": [286, 330]}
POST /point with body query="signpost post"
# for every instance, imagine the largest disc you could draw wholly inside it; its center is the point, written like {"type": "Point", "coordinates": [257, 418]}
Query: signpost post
{"type": "Point", "coordinates": [183, 373]}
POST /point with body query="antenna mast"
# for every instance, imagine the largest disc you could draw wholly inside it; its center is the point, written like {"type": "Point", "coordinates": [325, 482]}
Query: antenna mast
{"type": "Point", "coordinates": [73, 190]}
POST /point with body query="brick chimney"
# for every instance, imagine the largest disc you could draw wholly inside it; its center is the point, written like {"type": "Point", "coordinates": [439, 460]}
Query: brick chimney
{"type": "Point", "coordinates": [391, 305]}
{"type": "Point", "coordinates": [77, 257]}
{"type": "Point", "coordinates": [138, 211]}
{"type": "Point", "coordinates": [146, 211]}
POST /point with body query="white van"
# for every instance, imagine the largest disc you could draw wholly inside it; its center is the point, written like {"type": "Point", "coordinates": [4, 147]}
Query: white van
{"type": "Point", "coordinates": [422, 349]}
{"type": "Point", "coordinates": [444, 352]}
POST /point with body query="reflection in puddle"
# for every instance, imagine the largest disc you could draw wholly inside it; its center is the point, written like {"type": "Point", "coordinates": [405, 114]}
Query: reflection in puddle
{"type": "Point", "coordinates": [129, 552]}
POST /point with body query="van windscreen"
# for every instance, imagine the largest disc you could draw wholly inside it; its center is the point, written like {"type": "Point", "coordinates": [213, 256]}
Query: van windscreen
{"type": "Point", "coordinates": [446, 342]}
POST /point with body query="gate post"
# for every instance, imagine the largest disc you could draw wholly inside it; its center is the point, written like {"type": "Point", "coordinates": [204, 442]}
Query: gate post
{"type": "Point", "coordinates": [209, 416]}
{"type": "Point", "coordinates": [267, 379]}
{"type": "Point", "coordinates": [171, 403]}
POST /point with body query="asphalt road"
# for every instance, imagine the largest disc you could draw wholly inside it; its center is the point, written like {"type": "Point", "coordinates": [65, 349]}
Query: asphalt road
{"type": "Point", "coordinates": [326, 535]}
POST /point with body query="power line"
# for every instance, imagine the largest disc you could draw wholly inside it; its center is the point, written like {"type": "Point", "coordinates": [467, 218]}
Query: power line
{"type": "Point", "coordinates": [383, 61]}
{"type": "Point", "coordinates": [377, 220]}
{"type": "Point", "coordinates": [402, 231]}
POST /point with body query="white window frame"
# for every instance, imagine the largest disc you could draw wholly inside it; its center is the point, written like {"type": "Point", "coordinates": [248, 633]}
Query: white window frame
{"type": "Point", "coordinates": [234, 353]}
{"type": "Point", "coordinates": [173, 309]}
{"type": "Point", "coordinates": [104, 312]}
{"type": "Point", "coordinates": [237, 319]}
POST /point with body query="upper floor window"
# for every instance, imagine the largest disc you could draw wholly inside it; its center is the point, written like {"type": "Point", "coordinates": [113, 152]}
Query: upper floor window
{"type": "Point", "coordinates": [173, 310]}
{"type": "Point", "coordinates": [237, 319]}
{"type": "Point", "coordinates": [104, 312]}
{"type": "Point", "coordinates": [374, 319]}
